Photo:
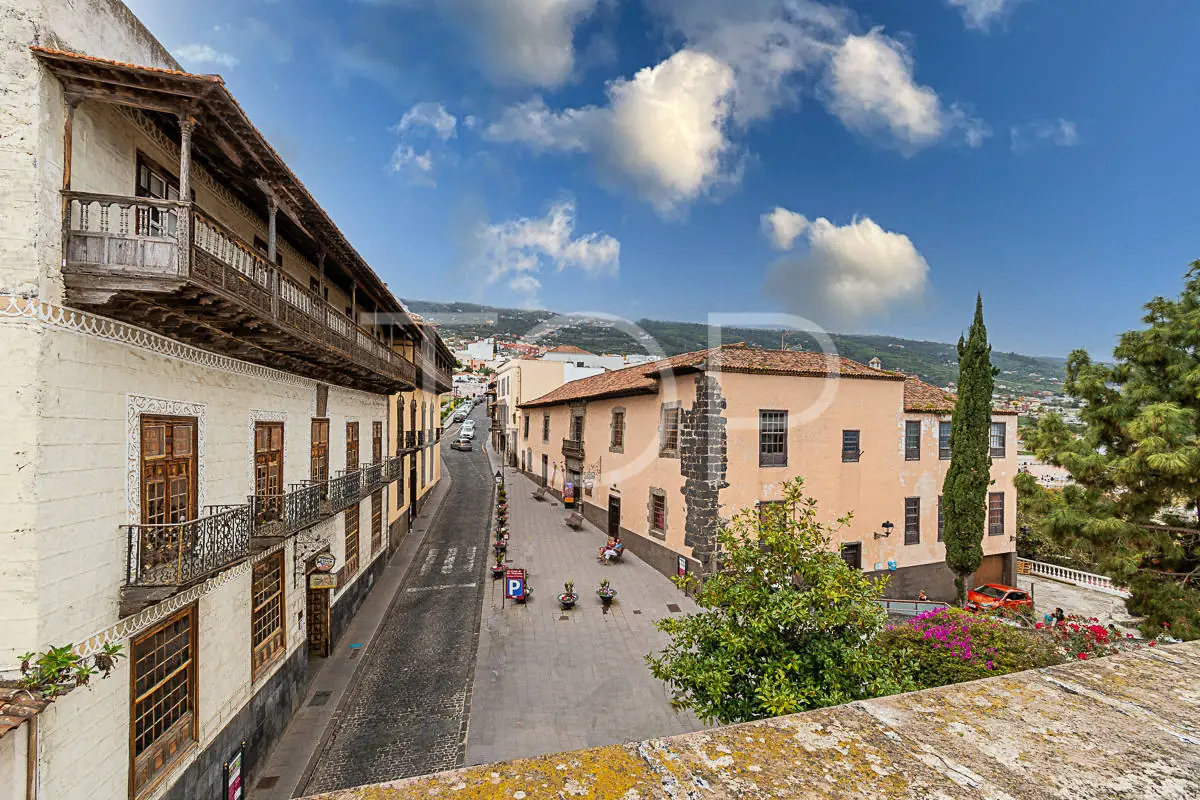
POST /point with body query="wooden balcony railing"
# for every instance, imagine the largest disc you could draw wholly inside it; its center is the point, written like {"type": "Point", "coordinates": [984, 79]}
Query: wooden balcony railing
{"type": "Point", "coordinates": [178, 553]}
{"type": "Point", "coordinates": [572, 448]}
{"type": "Point", "coordinates": [143, 238]}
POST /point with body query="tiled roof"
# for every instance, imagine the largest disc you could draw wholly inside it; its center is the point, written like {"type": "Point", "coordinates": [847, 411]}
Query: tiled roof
{"type": "Point", "coordinates": [570, 348]}
{"type": "Point", "coordinates": [18, 705]}
{"type": "Point", "coordinates": [643, 378]}
{"type": "Point", "coordinates": [113, 63]}
{"type": "Point", "coordinates": [921, 398]}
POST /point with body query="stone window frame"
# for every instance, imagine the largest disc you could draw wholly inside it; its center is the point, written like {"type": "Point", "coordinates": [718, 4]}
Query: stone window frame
{"type": "Point", "coordinates": [663, 451]}
{"type": "Point", "coordinates": [578, 411]}
{"type": "Point", "coordinates": [613, 445]}
{"type": "Point", "coordinates": [661, 494]}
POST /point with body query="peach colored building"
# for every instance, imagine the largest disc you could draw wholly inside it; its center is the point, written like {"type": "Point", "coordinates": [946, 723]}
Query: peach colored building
{"type": "Point", "coordinates": [665, 452]}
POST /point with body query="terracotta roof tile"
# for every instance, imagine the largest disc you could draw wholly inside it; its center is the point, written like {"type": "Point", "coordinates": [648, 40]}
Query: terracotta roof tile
{"type": "Point", "coordinates": [18, 705]}
{"type": "Point", "coordinates": [125, 64]}
{"type": "Point", "coordinates": [570, 348]}
{"type": "Point", "coordinates": [643, 378]}
{"type": "Point", "coordinates": [921, 398]}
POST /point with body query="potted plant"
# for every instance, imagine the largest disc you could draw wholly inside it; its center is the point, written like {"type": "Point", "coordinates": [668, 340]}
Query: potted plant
{"type": "Point", "coordinates": [498, 567]}
{"type": "Point", "coordinates": [500, 546]}
{"type": "Point", "coordinates": [568, 598]}
{"type": "Point", "coordinates": [606, 592]}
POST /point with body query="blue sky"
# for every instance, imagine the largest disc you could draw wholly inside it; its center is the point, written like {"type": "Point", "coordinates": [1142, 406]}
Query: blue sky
{"type": "Point", "coordinates": [868, 164]}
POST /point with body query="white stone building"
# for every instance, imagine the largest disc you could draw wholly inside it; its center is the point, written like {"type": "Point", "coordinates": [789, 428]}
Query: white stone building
{"type": "Point", "coordinates": [205, 390]}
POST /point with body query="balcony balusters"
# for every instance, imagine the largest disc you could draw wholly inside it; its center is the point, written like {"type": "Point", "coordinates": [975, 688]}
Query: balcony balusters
{"type": "Point", "coordinates": [177, 553]}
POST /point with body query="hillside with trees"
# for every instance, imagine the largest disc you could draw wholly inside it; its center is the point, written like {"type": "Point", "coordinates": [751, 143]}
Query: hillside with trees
{"type": "Point", "coordinates": [935, 362]}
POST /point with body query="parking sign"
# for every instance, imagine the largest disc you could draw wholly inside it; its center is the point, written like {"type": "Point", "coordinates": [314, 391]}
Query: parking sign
{"type": "Point", "coordinates": [514, 584]}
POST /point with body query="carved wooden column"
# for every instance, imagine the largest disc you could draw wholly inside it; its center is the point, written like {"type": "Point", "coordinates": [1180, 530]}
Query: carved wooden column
{"type": "Point", "coordinates": [73, 101]}
{"type": "Point", "coordinates": [272, 210]}
{"type": "Point", "coordinates": [187, 124]}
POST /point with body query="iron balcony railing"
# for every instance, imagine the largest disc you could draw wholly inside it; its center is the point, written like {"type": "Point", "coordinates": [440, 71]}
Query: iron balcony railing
{"type": "Point", "coordinates": [372, 476]}
{"type": "Point", "coordinates": [439, 435]}
{"type": "Point", "coordinates": [174, 554]}
{"type": "Point", "coordinates": [284, 514]}
{"type": "Point", "coordinates": [393, 469]}
{"type": "Point", "coordinates": [345, 490]}
{"type": "Point", "coordinates": [420, 438]}
{"type": "Point", "coordinates": [410, 440]}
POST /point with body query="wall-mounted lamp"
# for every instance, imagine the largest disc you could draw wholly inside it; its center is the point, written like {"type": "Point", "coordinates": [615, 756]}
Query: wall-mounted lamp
{"type": "Point", "coordinates": [886, 532]}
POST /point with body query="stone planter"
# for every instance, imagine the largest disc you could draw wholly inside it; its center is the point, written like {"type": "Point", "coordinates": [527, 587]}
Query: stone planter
{"type": "Point", "coordinates": [568, 600]}
{"type": "Point", "coordinates": [606, 595]}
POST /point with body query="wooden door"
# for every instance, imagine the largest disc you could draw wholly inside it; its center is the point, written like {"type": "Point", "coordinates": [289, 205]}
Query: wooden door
{"type": "Point", "coordinates": [319, 454]}
{"type": "Point", "coordinates": [317, 619]}
{"type": "Point", "coordinates": [614, 515]}
{"type": "Point", "coordinates": [351, 446]}
{"type": "Point", "coordinates": [376, 442]}
{"type": "Point", "coordinates": [268, 471]}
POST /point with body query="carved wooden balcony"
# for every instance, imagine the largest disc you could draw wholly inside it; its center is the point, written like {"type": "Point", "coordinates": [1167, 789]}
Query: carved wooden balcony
{"type": "Point", "coordinates": [166, 266]}
{"type": "Point", "coordinates": [572, 448]}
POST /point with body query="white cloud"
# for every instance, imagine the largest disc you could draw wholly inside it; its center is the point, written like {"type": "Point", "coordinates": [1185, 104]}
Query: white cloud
{"type": "Point", "coordinates": [429, 115]}
{"type": "Point", "coordinates": [663, 130]}
{"type": "Point", "coordinates": [849, 271]}
{"type": "Point", "coordinates": [980, 13]}
{"type": "Point", "coordinates": [783, 226]}
{"type": "Point", "coordinates": [1060, 132]}
{"type": "Point", "coordinates": [414, 167]}
{"type": "Point", "coordinates": [205, 54]}
{"type": "Point", "coordinates": [872, 91]}
{"type": "Point", "coordinates": [516, 250]}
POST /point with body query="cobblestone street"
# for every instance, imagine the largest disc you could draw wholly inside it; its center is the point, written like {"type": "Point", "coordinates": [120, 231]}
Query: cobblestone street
{"type": "Point", "coordinates": [549, 680]}
{"type": "Point", "coordinates": [405, 713]}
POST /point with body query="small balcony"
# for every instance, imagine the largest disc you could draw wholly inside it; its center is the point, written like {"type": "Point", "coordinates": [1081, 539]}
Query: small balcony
{"type": "Point", "coordinates": [345, 490]}
{"type": "Point", "coordinates": [178, 553]}
{"type": "Point", "coordinates": [410, 440]}
{"type": "Point", "coordinates": [284, 514]}
{"type": "Point", "coordinates": [372, 476]}
{"type": "Point", "coordinates": [167, 266]}
{"type": "Point", "coordinates": [572, 448]}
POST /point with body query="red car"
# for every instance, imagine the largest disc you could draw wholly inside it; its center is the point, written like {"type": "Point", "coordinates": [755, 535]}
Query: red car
{"type": "Point", "coordinates": [997, 595]}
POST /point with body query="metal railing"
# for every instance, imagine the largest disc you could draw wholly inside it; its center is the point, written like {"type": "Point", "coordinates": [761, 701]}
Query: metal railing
{"type": "Point", "coordinates": [345, 490]}
{"type": "Point", "coordinates": [420, 438]}
{"type": "Point", "coordinates": [372, 476]}
{"type": "Point", "coordinates": [410, 440]}
{"type": "Point", "coordinates": [1086, 580]}
{"type": "Point", "coordinates": [284, 514]}
{"type": "Point", "coordinates": [909, 608]}
{"type": "Point", "coordinates": [174, 554]}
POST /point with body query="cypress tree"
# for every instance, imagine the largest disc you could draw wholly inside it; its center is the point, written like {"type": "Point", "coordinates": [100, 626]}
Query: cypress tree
{"type": "Point", "coordinates": [964, 493]}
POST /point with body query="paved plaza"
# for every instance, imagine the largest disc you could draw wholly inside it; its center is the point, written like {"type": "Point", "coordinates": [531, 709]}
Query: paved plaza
{"type": "Point", "coordinates": [548, 680]}
{"type": "Point", "coordinates": [1048, 595]}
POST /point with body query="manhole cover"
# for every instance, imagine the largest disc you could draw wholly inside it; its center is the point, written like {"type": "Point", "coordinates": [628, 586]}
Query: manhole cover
{"type": "Point", "coordinates": [320, 698]}
{"type": "Point", "coordinates": [267, 782]}
{"type": "Point", "coordinates": [674, 609]}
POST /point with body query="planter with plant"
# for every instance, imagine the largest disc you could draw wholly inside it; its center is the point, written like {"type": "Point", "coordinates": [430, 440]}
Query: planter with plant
{"type": "Point", "coordinates": [498, 567]}
{"type": "Point", "coordinates": [606, 592]}
{"type": "Point", "coordinates": [568, 598]}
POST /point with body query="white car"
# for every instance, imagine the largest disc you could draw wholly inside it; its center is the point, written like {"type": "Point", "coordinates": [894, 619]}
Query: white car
{"type": "Point", "coordinates": [466, 433]}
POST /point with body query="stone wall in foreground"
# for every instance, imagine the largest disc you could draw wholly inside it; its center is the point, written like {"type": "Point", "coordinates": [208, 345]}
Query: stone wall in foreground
{"type": "Point", "coordinates": [1120, 727]}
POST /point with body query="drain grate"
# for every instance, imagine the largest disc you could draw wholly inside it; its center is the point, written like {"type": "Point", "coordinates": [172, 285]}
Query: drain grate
{"type": "Point", "coordinates": [267, 782]}
{"type": "Point", "coordinates": [674, 609]}
{"type": "Point", "coordinates": [320, 698]}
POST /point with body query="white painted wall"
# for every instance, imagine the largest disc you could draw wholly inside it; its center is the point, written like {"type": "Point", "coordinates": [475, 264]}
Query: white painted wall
{"type": "Point", "coordinates": [13, 760]}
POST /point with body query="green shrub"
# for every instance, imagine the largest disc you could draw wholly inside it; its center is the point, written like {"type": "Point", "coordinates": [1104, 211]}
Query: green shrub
{"type": "Point", "coordinates": [1165, 605]}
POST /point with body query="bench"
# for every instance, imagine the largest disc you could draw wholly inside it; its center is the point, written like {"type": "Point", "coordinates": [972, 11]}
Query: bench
{"type": "Point", "coordinates": [575, 520]}
{"type": "Point", "coordinates": [539, 493]}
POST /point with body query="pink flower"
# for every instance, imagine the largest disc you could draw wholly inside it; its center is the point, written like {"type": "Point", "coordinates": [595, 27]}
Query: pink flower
{"type": "Point", "coordinates": [1153, 643]}
{"type": "Point", "coordinates": [1039, 625]}
{"type": "Point", "coordinates": [1083, 656]}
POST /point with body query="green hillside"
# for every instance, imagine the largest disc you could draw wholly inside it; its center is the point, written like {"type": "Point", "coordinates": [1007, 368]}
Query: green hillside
{"type": "Point", "coordinates": [935, 362]}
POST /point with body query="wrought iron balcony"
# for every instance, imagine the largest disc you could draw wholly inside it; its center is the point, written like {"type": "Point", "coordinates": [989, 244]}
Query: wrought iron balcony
{"type": "Point", "coordinates": [572, 448]}
{"type": "Point", "coordinates": [166, 266]}
{"type": "Point", "coordinates": [438, 435]}
{"type": "Point", "coordinates": [284, 514]}
{"type": "Point", "coordinates": [175, 554]}
{"type": "Point", "coordinates": [410, 440]}
{"type": "Point", "coordinates": [372, 476]}
{"type": "Point", "coordinates": [345, 490]}
{"type": "Point", "coordinates": [420, 438]}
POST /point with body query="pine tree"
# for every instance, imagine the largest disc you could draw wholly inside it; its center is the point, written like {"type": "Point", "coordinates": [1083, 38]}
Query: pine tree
{"type": "Point", "coordinates": [1133, 502]}
{"type": "Point", "coordinates": [964, 493]}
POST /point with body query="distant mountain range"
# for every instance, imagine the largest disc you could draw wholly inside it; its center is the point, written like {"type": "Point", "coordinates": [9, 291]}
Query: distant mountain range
{"type": "Point", "coordinates": [934, 362]}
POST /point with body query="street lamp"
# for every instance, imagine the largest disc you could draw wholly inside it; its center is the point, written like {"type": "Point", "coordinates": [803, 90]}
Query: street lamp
{"type": "Point", "coordinates": [887, 531]}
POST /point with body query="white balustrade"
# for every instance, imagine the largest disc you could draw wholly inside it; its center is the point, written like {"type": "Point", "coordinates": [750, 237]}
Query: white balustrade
{"type": "Point", "coordinates": [1086, 580]}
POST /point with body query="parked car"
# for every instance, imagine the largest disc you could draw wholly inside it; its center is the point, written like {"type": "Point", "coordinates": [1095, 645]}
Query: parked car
{"type": "Point", "coordinates": [997, 595]}
{"type": "Point", "coordinates": [460, 416]}
{"type": "Point", "coordinates": [466, 433]}
{"type": "Point", "coordinates": [461, 443]}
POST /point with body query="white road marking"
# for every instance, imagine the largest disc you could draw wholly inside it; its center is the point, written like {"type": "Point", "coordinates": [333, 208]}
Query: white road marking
{"type": "Point", "coordinates": [471, 559]}
{"type": "Point", "coordinates": [441, 586]}
{"type": "Point", "coordinates": [430, 557]}
{"type": "Point", "coordinates": [448, 564]}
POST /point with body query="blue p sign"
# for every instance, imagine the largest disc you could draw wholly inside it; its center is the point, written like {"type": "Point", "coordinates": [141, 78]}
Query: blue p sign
{"type": "Point", "coordinates": [516, 588]}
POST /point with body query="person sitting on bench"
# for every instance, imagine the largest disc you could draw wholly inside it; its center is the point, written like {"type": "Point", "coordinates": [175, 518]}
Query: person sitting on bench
{"type": "Point", "coordinates": [612, 549]}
